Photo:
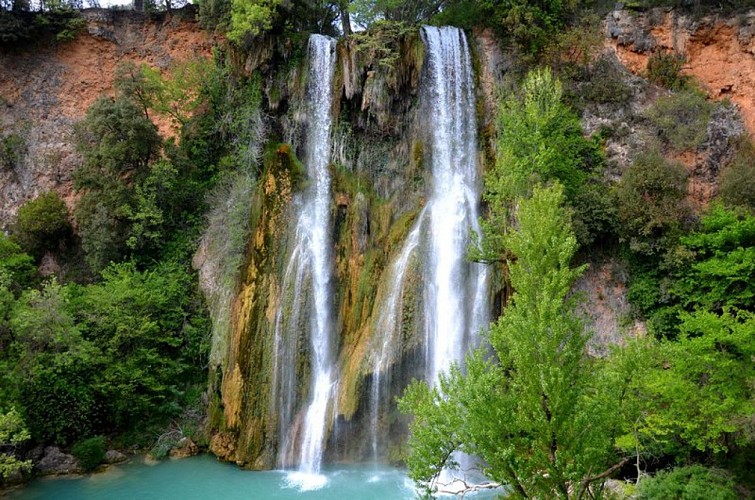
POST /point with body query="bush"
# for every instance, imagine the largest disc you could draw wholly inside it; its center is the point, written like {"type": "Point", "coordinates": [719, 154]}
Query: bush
{"type": "Point", "coordinates": [42, 224]}
{"type": "Point", "coordinates": [737, 181]}
{"type": "Point", "coordinates": [606, 84]}
{"type": "Point", "coordinates": [90, 452]}
{"type": "Point", "coordinates": [16, 263]}
{"type": "Point", "coordinates": [682, 119]}
{"type": "Point", "coordinates": [664, 69]}
{"type": "Point", "coordinates": [12, 151]}
{"type": "Point", "coordinates": [651, 204]}
{"type": "Point", "coordinates": [688, 483]}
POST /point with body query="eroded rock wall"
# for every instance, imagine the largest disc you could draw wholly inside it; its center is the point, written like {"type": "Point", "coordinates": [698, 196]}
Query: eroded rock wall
{"type": "Point", "coordinates": [45, 89]}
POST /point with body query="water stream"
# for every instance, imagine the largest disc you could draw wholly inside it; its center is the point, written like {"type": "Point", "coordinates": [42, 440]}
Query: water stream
{"type": "Point", "coordinates": [308, 284]}
{"type": "Point", "coordinates": [454, 290]}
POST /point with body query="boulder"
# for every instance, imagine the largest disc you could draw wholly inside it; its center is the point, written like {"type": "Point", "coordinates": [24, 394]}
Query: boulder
{"type": "Point", "coordinates": [115, 457]}
{"type": "Point", "coordinates": [184, 448]}
{"type": "Point", "coordinates": [56, 462]}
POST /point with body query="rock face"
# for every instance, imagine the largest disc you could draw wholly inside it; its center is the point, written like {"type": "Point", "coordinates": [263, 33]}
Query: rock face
{"type": "Point", "coordinates": [719, 51]}
{"type": "Point", "coordinates": [56, 462]}
{"type": "Point", "coordinates": [45, 89]}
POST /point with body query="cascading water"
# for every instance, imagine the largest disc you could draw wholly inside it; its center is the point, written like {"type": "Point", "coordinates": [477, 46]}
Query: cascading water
{"type": "Point", "coordinates": [307, 287]}
{"type": "Point", "coordinates": [454, 290]}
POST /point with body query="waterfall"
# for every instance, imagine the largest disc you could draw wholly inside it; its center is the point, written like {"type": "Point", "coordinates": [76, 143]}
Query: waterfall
{"type": "Point", "coordinates": [454, 290]}
{"type": "Point", "coordinates": [306, 304]}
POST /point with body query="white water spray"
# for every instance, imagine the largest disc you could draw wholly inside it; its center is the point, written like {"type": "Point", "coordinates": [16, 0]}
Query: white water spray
{"type": "Point", "coordinates": [307, 285]}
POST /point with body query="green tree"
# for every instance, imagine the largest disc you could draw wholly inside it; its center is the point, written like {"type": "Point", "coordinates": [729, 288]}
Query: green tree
{"type": "Point", "coordinates": [539, 139]}
{"type": "Point", "coordinates": [118, 143]}
{"type": "Point", "coordinates": [18, 266]}
{"type": "Point", "coordinates": [534, 416]}
{"type": "Point", "coordinates": [12, 434]}
{"type": "Point", "coordinates": [651, 200]}
{"type": "Point", "coordinates": [42, 224]}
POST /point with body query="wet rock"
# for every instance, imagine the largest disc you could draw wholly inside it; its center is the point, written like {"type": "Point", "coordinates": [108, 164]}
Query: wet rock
{"type": "Point", "coordinates": [184, 448]}
{"type": "Point", "coordinates": [56, 462]}
{"type": "Point", "coordinates": [115, 457]}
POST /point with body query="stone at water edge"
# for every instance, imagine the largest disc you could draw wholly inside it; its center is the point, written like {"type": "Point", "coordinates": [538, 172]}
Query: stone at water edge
{"type": "Point", "coordinates": [184, 448]}
{"type": "Point", "coordinates": [115, 457]}
{"type": "Point", "coordinates": [56, 462]}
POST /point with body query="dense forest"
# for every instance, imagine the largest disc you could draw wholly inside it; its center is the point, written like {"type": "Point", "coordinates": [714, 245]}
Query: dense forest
{"type": "Point", "coordinates": [110, 347]}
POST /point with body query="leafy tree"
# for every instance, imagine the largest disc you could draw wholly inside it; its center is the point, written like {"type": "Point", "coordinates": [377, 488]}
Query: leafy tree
{"type": "Point", "coordinates": [143, 323]}
{"type": "Point", "coordinates": [737, 180]}
{"type": "Point", "coordinates": [12, 433]}
{"type": "Point", "coordinates": [535, 417]}
{"type": "Point", "coordinates": [54, 367]}
{"type": "Point", "coordinates": [539, 139]}
{"type": "Point", "coordinates": [118, 143]}
{"type": "Point", "coordinates": [700, 395]}
{"type": "Point", "coordinates": [42, 224]}
{"type": "Point", "coordinates": [18, 266]}
{"type": "Point", "coordinates": [652, 207]}
{"type": "Point", "coordinates": [682, 119]}
{"type": "Point", "coordinates": [367, 12]}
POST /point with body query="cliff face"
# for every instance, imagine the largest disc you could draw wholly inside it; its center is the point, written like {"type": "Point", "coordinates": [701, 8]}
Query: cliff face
{"type": "Point", "coordinates": [45, 89]}
{"type": "Point", "coordinates": [718, 51]}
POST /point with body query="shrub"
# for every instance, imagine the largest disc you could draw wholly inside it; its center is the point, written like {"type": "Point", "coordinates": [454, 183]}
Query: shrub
{"type": "Point", "coordinates": [687, 483]}
{"type": "Point", "coordinates": [42, 224]}
{"type": "Point", "coordinates": [737, 180]}
{"type": "Point", "coordinates": [651, 204]}
{"type": "Point", "coordinates": [664, 69]}
{"type": "Point", "coordinates": [15, 262]}
{"type": "Point", "coordinates": [682, 119]}
{"type": "Point", "coordinates": [12, 151]}
{"type": "Point", "coordinates": [606, 84]}
{"type": "Point", "coordinates": [90, 452]}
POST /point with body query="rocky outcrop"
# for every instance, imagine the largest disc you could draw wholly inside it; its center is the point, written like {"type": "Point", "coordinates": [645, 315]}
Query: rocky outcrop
{"type": "Point", "coordinates": [718, 51]}
{"type": "Point", "coordinates": [55, 462]}
{"type": "Point", "coordinates": [183, 449]}
{"type": "Point", "coordinates": [114, 457]}
{"type": "Point", "coordinates": [45, 89]}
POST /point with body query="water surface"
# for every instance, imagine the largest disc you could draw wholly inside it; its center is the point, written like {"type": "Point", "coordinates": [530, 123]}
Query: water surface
{"type": "Point", "coordinates": [204, 477]}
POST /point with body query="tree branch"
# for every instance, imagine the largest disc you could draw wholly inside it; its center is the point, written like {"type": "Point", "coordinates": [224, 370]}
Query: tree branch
{"type": "Point", "coordinates": [586, 482]}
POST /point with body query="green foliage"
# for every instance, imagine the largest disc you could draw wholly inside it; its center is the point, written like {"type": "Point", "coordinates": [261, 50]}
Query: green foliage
{"type": "Point", "coordinates": [737, 180]}
{"type": "Point", "coordinates": [368, 12]}
{"type": "Point", "coordinates": [689, 483]}
{"type": "Point", "coordinates": [536, 418]}
{"type": "Point", "coordinates": [42, 224]}
{"type": "Point", "coordinates": [117, 142]}
{"type": "Point", "coordinates": [18, 266]}
{"type": "Point", "coordinates": [539, 140]}
{"type": "Point", "coordinates": [606, 83]}
{"type": "Point", "coordinates": [651, 204]}
{"type": "Point", "coordinates": [702, 392]}
{"type": "Point", "coordinates": [664, 69]}
{"type": "Point", "coordinates": [58, 21]}
{"type": "Point", "coordinates": [12, 434]}
{"type": "Point", "coordinates": [251, 18]}
{"type": "Point", "coordinates": [12, 151]}
{"type": "Point", "coordinates": [90, 452]}
{"type": "Point", "coordinates": [710, 269]}
{"type": "Point", "coordinates": [682, 119]}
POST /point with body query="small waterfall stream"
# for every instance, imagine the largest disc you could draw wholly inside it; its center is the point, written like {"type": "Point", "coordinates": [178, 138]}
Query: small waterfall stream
{"type": "Point", "coordinates": [454, 291]}
{"type": "Point", "coordinates": [307, 286]}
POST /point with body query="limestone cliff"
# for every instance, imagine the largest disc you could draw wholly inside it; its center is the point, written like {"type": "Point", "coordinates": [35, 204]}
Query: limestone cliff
{"type": "Point", "coordinates": [45, 88]}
